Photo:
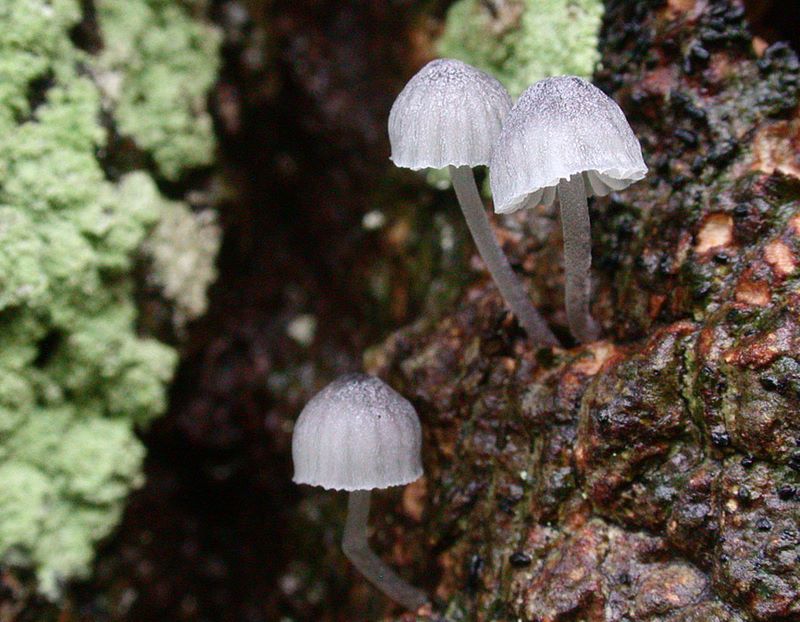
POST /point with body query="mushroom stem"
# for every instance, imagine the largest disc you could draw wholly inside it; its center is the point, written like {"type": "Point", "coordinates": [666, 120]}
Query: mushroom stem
{"type": "Point", "coordinates": [356, 548]}
{"type": "Point", "coordinates": [577, 257]}
{"type": "Point", "coordinates": [507, 282]}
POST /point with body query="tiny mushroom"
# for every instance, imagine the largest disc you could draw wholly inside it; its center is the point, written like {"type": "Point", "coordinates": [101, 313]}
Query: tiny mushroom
{"type": "Point", "coordinates": [565, 136]}
{"type": "Point", "coordinates": [358, 434]}
{"type": "Point", "coordinates": [448, 115]}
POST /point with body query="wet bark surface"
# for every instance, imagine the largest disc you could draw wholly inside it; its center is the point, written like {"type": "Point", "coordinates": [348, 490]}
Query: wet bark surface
{"type": "Point", "coordinates": [652, 475]}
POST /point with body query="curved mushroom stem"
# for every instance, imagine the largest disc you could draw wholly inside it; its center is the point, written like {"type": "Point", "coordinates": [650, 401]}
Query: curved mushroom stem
{"type": "Point", "coordinates": [507, 282]}
{"type": "Point", "coordinates": [356, 548]}
{"type": "Point", "coordinates": [577, 257]}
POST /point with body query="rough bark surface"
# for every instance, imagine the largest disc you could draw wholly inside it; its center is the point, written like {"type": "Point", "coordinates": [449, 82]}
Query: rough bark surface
{"type": "Point", "coordinates": [651, 476]}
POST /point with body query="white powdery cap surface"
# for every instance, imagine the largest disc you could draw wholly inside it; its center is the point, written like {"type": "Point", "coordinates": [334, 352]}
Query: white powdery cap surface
{"type": "Point", "coordinates": [449, 114]}
{"type": "Point", "coordinates": [561, 127]}
{"type": "Point", "coordinates": [357, 434]}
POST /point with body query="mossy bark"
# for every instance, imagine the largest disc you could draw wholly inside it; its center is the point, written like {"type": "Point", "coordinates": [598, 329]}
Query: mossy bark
{"type": "Point", "coordinates": [653, 475]}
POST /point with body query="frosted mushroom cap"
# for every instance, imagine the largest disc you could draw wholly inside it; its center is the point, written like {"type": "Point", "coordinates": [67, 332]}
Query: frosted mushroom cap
{"type": "Point", "coordinates": [449, 114]}
{"type": "Point", "coordinates": [357, 434]}
{"type": "Point", "coordinates": [561, 127]}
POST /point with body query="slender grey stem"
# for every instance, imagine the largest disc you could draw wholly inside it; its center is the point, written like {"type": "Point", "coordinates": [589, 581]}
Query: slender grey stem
{"type": "Point", "coordinates": [356, 547]}
{"type": "Point", "coordinates": [507, 282]}
{"type": "Point", "coordinates": [577, 258]}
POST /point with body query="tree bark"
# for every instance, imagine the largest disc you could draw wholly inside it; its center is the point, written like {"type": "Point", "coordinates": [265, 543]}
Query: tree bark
{"type": "Point", "coordinates": [653, 475]}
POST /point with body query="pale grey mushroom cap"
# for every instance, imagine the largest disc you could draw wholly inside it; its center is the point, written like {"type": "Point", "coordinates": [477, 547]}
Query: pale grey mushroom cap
{"type": "Point", "coordinates": [449, 114]}
{"type": "Point", "coordinates": [560, 127]}
{"type": "Point", "coordinates": [357, 434]}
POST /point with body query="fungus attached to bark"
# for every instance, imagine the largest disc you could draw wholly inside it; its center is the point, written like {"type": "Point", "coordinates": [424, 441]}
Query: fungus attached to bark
{"type": "Point", "coordinates": [448, 115]}
{"type": "Point", "coordinates": [565, 137]}
{"type": "Point", "coordinates": [358, 434]}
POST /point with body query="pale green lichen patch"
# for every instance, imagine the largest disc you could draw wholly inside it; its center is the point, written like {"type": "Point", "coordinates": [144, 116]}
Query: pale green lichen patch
{"type": "Point", "coordinates": [105, 369]}
{"type": "Point", "coordinates": [76, 378]}
{"type": "Point", "coordinates": [183, 248]}
{"type": "Point", "coordinates": [92, 472]}
{"type": "Point", "coordinates": [33, 40]}
{"type": "Point", "coordinates": [522, 41]}
{"type": "Point", "coordinates": [25, 496]}
{"type": "Point", "coordinates": [159, 65]}
{"type": "Point", "coordinates": [62, 489]}
{"type": "Point", "coordinates": [16, 398]}
{"type": "Point", "coordinates": [21, 249]}
{"type": "Point", "coordinates": [62, 547]}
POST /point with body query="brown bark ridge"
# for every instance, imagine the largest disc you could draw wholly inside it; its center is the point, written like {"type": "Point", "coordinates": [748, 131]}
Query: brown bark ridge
{"type": "Point", "coordinates": [654, 475]}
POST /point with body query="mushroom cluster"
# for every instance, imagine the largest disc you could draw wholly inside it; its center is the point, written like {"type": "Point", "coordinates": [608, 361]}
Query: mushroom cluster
{"type": "Point", "coordinates": [563, 138]}
{"type": "Point", "coordinates": [448, 116]}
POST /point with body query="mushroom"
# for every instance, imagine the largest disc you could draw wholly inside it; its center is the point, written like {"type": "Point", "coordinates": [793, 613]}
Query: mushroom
{"type": "Point", "coordinates": [565, 136]}
{"type": "Point", "coordinates": [448, 115]}
{"type": "Point", "coordinates": [358, 434]}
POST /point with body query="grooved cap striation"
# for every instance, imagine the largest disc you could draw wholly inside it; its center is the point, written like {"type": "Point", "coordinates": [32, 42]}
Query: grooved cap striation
{"type": "Point", "coordinates": [357, 434]}
{"type": "Point", "coordinates": [558, 128]}
{"type": "Point", "coordinates": [449, 114]}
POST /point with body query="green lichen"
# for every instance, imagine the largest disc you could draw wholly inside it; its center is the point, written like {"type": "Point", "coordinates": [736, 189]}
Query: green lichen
{"type": "Point", "coordinates": [183, 248]}
{"type": "Point", "coordinates": [25, 495]}
{"type": "Point", "coordinates": [160, 64]}
{"type": "Point", "coordinates": [522, 41]}
{"type": "Point", "coordinates": [76, 377]}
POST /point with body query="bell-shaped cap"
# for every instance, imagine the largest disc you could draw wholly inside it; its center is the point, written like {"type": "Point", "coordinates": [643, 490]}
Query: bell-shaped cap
{"type": "Point", "coordinates": [357, 434]}
{"type": "Point", "coordinates": [560, 127]}
{"type": "Point", "coordinates": [449, 114]}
